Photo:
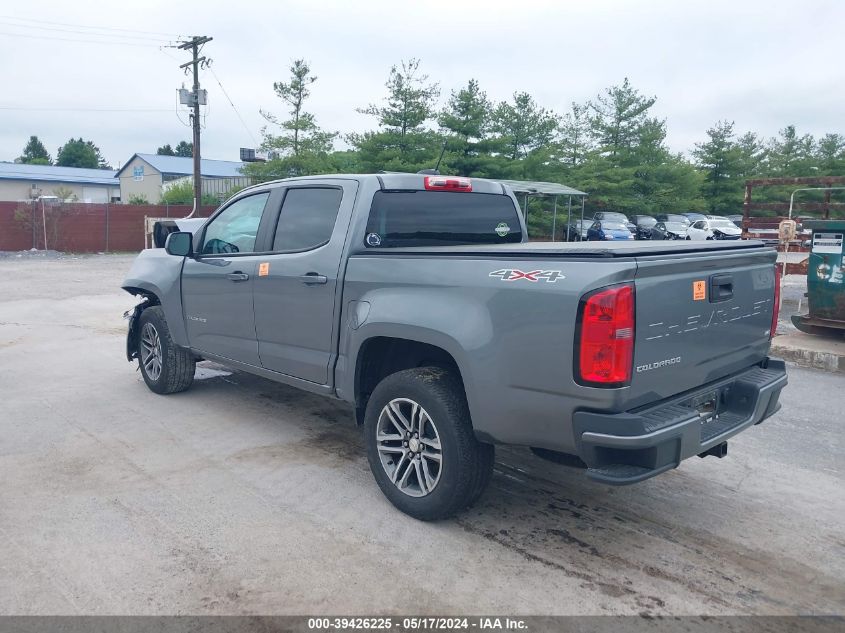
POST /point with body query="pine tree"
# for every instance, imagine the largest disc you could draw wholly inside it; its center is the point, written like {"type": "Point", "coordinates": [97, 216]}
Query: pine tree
{"type": "Point", "coordinates": [402, 142]}
{"type": "Point", "coordinates": [791, 155]}
{"type": "Point", "coordinates": [575, 139]}
{"type": "Point", "coordinates": [830, 154]}
{"type": "Point", "coordinates": [301, 148]}
{"type": "Point", "coordinates": [618, 115]}
{"type": "Point", "coordinates": [720, 161]}
{"type": "Point", "coordinates": [523, 126]}
{"type": "Point", "coordinates": [466, 119]}
{"type": "Point", "coordinates": [35, 153]}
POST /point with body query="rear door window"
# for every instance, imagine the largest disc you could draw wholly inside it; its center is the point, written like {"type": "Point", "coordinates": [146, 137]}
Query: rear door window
{"type": "Point", "coordinates": [432, 218]}
{"type": "Point", "coordinates": [307, 219]}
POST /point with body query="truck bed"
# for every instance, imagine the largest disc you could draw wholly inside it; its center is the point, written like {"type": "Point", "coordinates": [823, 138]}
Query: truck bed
{"type": "Point", "coordinates": [531, 250]}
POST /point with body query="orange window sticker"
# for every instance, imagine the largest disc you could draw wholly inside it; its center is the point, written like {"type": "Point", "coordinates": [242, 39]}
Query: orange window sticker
{"type": "Point", "coordinates": [264, 269]}
{"type": "Point", "coordinates": [699, 290]}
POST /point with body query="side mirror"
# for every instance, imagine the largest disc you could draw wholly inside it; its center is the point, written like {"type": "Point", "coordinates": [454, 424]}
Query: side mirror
{"type": "Point", "coordinates": [179, 243]}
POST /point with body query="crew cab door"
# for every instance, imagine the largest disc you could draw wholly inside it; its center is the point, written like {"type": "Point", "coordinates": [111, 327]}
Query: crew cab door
{"type": "Point", "coordinates": [297, 291]}
{"type": "Point", "coordinates": [217, 283]}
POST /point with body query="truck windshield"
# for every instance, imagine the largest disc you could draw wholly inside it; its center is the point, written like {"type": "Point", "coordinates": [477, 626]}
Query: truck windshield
{"type": "Point", "coordinates": [432, 218]}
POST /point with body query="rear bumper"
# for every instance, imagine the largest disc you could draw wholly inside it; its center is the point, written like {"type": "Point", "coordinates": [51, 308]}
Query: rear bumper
{"type": "Point", "coordinates": [625, 448]}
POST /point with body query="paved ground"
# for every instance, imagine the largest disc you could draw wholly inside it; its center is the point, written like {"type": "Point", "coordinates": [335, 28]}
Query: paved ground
{"type": "Point", "coordinates": [243, 496]}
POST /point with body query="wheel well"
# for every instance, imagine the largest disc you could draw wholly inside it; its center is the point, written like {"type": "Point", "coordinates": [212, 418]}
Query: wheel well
{"type": "Point", "coordinates": [152, 299]}
{"type": "Point", "coordinates": [381, 356]}
{"type": "Point", "coordinates": [149, 300]}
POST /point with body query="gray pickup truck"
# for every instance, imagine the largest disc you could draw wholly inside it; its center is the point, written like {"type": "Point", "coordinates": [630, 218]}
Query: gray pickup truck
{"type": "Point", "coordinates": [419, 300]}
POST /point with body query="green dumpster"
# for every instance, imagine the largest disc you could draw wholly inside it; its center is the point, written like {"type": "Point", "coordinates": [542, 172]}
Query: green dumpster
{"type": "Point", "coordinates": [825, 279]}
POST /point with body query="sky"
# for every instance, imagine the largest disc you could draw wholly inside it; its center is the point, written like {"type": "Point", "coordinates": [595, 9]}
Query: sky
{"type": "Point", "coordinates": [103, 70]}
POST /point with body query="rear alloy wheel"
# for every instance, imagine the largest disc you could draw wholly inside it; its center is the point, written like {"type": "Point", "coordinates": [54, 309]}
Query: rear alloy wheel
{"type": "Point", "coordinates": [409, 447]}
{"type": "Point", "coordinates": [421, 446]}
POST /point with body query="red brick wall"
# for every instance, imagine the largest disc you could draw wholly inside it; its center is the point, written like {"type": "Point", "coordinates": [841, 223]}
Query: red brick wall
{"type": "Point", "coordinates": [82, 228]}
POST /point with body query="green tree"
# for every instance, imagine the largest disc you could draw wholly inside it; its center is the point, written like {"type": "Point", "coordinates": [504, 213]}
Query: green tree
{"type": "Point", "coordinates": [65, 194]}
{"type": "Point", "coordinates": [140, 198]}
{"type": "Point", "coordinates": [301, 147]}
{"type": "Point", "coordinates": [523, 127]}
{"type": "Point", "coordinates": [185, 149]}
{"type": "Point", "coordinates": [752, 155]}
{"type": "Point", "coordinates": [402, 142]}
{"type": "Point", "coordinates": [631, 170]}
{"type": "Point", "coordinates": [165, 150]}
{"type": "Point", "coordinates": [617, 116]}
{"type": "Point", "coordinates": [79, 153]}
{"type": "Point", "coordinates": [466, 120]}
{"type": "Point", "coordinates": [720, 161]}
{"type": "Point", "coordinates": [791, 155]}
{"type": "Point", "coordinates": [575, 140]}
{"type": "Point", "coordinates": [830, 155]}
{"type": "Point", "coordinates": [183, 193]}
{"type": "Point", "coordinates": [35, 153]}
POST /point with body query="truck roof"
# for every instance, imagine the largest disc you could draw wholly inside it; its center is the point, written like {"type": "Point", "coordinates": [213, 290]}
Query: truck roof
{"type": "Point", "coordinates": [395, 181]}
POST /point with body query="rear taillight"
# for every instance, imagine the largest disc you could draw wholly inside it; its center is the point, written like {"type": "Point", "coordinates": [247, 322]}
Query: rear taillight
{"type": "Point", "coordinates": [776, 307]}
{"type": "Point", "coordinates": [605, 338]}
{"type": "Point", "coordinates": [447, 183]}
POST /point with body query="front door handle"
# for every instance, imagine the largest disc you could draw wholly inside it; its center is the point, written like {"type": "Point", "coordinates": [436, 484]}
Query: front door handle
{"type": "Point", "coordinates": [311, 279]}
{"type": "Point", "coordinates": [237, 276]}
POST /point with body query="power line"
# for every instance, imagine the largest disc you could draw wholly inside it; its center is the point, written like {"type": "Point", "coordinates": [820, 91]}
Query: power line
{"type": "Point", "coordinates": [240, 118]}
{"type": "Point", "coordinates": [67, 39]}
{"type": "Point", "coordinates": [87, 33]}
{"type": "Point", "coordinates": [84, 26]}
{"type": "Point", "coordinates": [36, 109]}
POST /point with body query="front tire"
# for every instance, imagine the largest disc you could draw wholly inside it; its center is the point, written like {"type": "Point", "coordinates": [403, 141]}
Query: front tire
{"type": "Point", "coordinates": [166, 367]}
{"type": "Point", "coordinates": [421, 446]}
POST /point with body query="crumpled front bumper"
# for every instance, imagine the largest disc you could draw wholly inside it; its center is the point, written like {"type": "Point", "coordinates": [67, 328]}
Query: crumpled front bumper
{"type": "Point", "coordinates": [625, 448]}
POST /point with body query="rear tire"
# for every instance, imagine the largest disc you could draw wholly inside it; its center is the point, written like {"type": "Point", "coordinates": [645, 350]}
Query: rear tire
{"type": "Point", "coordinates": [166, 367]}
{"type": "Point", "coordinates": [420, 444]}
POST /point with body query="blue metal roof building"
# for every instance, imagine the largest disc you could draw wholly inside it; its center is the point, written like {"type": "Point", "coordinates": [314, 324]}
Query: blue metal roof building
{"type": "Point", "coordinates": [184, 166]}
{"type": "Point", "coordinates": [51, 173]}
{"type": "Point", "coordinates": [19, 181]}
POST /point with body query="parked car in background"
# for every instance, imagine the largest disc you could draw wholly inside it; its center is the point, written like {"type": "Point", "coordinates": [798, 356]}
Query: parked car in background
{"type": "Point", "coordinates": [694, 217]}
{"type": "Point", "coordinates": [608, 230]}
{"type": "Point", "coordinates": [615, 216]}
{"type": "Point", "coordinates": [644, 224]}
{"type": "Point", "coordinates": [670, 230]}
{"type": "Point", "coordinates": [714, 228]}
{"type": "Point", "coordinates": [672, 217]}
{"type": "Point", "coordinates": [577, 230]}
{"type": "Point", "coordinates": [736, 219]}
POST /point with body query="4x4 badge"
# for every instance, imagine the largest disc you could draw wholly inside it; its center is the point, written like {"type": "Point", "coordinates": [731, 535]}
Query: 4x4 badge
{"type": "Point", "coordinates": [507, 274]}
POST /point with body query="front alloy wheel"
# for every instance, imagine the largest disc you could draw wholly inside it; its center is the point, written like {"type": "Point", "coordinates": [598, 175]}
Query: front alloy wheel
{"type": "Point", "coordinates": [409, 447]}
{"type": "Point", "coordinates": [151, 351]}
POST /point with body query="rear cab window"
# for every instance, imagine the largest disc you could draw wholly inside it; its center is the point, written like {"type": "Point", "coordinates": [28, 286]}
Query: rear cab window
{"type": "Point", "coordinates": [441, 218]}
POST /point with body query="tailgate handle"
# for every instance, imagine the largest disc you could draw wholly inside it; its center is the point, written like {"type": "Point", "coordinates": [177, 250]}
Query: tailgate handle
{"type": "Point", "coordinates": [721, 287]}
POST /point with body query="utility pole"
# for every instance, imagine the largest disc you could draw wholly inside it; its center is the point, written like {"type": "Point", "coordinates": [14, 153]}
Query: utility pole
{"type": "Point", "coordinates": [194, 99]}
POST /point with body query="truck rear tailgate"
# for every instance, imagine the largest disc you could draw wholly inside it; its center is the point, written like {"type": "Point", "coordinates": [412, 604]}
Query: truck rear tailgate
{"type": "Point", "coordinates": [699, 317]}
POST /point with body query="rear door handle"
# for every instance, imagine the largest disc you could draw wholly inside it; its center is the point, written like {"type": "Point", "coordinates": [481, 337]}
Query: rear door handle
{"type": "Point", "coordinates": [312, 279]}
{"type": "Point", "coordinates": [237, 276]}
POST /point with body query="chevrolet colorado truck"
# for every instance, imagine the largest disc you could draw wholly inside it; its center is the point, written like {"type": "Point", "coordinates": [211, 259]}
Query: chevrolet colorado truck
{"type": "Point", "coordinates": [419, 300]}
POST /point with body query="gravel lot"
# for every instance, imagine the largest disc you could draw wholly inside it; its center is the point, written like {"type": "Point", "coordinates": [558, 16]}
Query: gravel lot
{"type": "Point", "coordinates": [244, 496]}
